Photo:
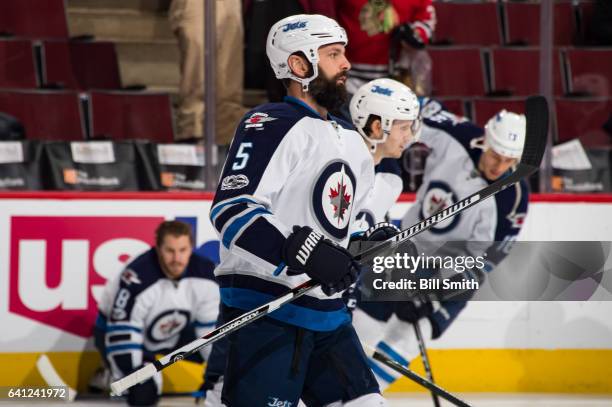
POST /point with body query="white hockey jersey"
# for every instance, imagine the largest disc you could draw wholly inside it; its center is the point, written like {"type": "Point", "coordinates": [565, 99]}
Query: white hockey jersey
{"type": "Point", "coordinates": [388, 186]}
{"type": "Point", "coordinates": [146, 311]}
{"type": "Point", "coordinates": [287, 166]}
{"type": "Point", "coordinates": [451, 174]}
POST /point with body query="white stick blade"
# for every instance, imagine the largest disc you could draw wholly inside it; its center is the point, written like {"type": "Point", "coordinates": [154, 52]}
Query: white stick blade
{"type": "Point", "coordinates": [139, 376]}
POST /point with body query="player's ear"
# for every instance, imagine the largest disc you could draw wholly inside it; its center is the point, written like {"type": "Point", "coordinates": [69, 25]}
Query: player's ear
{"type": "Point", "coordinates": [376, 130]}
{"type": "Point", "coordinates": [298, 65]}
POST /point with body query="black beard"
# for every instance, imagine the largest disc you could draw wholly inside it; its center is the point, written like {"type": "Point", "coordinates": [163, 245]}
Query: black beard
{"type": "Point", "coordinates": [327, 93]}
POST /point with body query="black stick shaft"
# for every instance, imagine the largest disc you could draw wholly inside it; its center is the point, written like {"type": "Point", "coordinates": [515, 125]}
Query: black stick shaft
{"type": "Point", "coordinates": [425, 358]}
{"type": "Point", "coordinates": [434, 388]}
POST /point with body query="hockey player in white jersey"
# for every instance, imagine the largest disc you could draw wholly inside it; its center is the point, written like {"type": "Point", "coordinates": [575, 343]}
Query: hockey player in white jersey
{"type": "Point", "coordinates": [464, 158]}
{"type": "Point", "coordinates": [293, 182]}
{"type": "Point", "coordinates": [386, 114]}
{"type": "Point", "coordinates": [164, 298]}
{"type": "Point", "coordinates": [386, 134]}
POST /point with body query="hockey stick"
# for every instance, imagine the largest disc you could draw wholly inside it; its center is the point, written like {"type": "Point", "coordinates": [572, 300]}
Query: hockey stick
{"type": "Point", "coordinates": [537, 129]}
{"type": "Point", "coordinates": [434, 388]}
{"type": "Point", "coordinates": [536, 111]}
{"type": "Point", "coordinates": [425, 359]}
{"type": "Point", "coordinates": [148, 371]}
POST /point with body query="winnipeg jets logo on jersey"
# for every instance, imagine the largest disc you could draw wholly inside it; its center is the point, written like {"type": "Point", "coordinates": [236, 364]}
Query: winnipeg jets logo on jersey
{"type": "Point", "coordinates": [438, 197]}
{"type": "Point", "coordinates": [167, 325]}
{"type": "Point", "coordinates": [516, 219]}
{"type": "Point", "coordinates": [340, 200]}
{"type": "Point", "coordinates": [257, 120]}
{"type": "Point", "coordinates": [332, 198]}
{"type": "Point", "coordinates": [129, 276]}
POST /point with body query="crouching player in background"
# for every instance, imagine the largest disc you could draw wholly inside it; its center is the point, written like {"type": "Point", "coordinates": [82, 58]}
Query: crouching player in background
{"type": "Point", "coordinates": [163, 299]}
{"type": "Point", "coordinates": [464, 159]}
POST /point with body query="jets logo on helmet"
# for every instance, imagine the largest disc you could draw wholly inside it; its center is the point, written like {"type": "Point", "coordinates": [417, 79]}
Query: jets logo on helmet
{"type": "Point", "coordinates": [381, 90]}
{"type": "Point", "coordinates": [301, 33]}
{"type": "Point", "coordinates": [389, 99]}
{"type": "Point", "coordinates": [332, 198]}
{"type": "Point", "coordinates": [294, 26]}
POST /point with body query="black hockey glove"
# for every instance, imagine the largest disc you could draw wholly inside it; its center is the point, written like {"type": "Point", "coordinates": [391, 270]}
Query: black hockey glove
{"type": "Point", "coordinates": [143, 394]}
{"type": "Point", "coordinates": [412, 311]}
{"type": "Point", "coordinates": [379, 233]}
{"type": "Point", "coordinates": [306, 251]}
{"type": "Point", "coordinates": [406, 33]}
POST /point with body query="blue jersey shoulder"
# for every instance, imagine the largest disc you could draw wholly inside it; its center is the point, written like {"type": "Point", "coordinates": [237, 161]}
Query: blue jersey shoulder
{"type": "Point", "coordinates": [512, 204]}
{"type": "Point", "coordinates": [343, 122]}
{"type": "Point", "coordinates": [435, 116]}
{"type": "Point", "coordinates": [389, 166]}
{"type": "Point", "coordinates": [142, 272]}
{"type": "Point", "coordinates": [269, 119]}
{"type": "Point", "coordinates": [200, 267]}
{"type": "Point", "coordinates": [257, 137]}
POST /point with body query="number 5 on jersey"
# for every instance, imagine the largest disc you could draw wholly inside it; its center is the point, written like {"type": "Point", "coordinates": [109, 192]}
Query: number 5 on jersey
{"type": "Point", "coordinates": [242, 156]}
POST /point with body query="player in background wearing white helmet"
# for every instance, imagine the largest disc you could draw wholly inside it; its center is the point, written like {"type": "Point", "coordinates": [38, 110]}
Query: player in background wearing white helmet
{"type": "Point", "coordinates": [464, 158]}
{"type": "Point", "coordinates": [386, 114]}
{"type": "Point", "coordinates": [294, 180]}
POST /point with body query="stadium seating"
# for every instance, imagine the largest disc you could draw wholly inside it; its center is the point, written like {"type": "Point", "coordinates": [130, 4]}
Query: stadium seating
{"type": "Point", "coordinates": [457, 71]}
{"type": "Point", "coordinates": [584, 118]}
{"type": "Point", "coordinates": [454, 105]}
{"type": "Point", "coordinates": [33, 18]}
{"type": "Point", "coordinates": [485, 108]}
{"type": "Point", "coordinates": [516, 70]}
{"type": "Point", "coordinates": [467, 24]}
{"type": "Point", "coordinates": [131, 115]}
{"type": "Point", "coordinates": [81, 65]}
{"type": "Point", "coordinates": [590, 71]}
{"type": "Point", "coordinates": [585, 13]}
{"type": "Point", "coordinates": [24, 173]}
{"type": "Point", "coordinates": [46, 115]}
{"type": "Point", "coordinates": [523, 23]}
{"type": "Point", "coordinates": [17, 64]}
{"type": "Point", "coordinates": [88, 166]}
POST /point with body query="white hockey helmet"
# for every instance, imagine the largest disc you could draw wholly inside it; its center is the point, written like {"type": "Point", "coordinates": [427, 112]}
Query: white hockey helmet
{"type": "Point", "coordinates": [505, 134]}
{"type": "Point", "coordinates": [389, 99]}
{"type": "Point", "coordinates": [305, 33]}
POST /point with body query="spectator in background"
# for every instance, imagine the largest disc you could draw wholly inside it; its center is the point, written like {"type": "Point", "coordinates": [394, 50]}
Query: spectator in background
{"type": "Point", "coordinates": [376, 27]}
{"type": "Point", "coordinates": [187, 22]}
{"type": "Point", "coordinates": [260, 15]}
{"type": "Point", "coordinates": [600, 26]}
{"type": "Point", "coordinates": [163, 299]}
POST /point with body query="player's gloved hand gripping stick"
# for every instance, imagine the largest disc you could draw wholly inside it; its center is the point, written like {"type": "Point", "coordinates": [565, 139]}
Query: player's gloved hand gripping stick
{"type": "Point", "coordinates": [536, 110]}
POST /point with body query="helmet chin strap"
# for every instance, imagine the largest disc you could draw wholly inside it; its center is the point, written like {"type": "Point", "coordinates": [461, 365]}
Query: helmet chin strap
{"type": "Point", "coordinates": [479, 143]}
{"type": "Point", "coordinates": [375, 142]}
{"type": "Point", "coordinates": [305, 82]}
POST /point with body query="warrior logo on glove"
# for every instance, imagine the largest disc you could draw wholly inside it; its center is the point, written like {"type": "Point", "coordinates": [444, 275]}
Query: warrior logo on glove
{"type": "Point", "coordinates": [332, 198]}
{"type": "Point", "coordinates": [309, 244]}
